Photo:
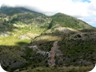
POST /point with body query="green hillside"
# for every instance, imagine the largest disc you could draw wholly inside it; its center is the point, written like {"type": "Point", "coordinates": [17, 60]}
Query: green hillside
{"type": "Point", "coordinates": [69, 21]}
{"type": "Point", "coordinates": [27, 39]}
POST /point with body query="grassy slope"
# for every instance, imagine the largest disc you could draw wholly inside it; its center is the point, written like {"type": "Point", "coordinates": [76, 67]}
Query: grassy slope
{"type": "Point", "coordinates": [68, 21]}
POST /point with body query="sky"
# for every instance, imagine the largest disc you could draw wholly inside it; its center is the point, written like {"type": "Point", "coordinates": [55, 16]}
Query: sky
{"type": "Point", "coordinates": [82, 9]}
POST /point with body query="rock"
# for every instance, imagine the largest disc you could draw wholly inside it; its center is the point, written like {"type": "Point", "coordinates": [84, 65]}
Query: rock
{"type": "Point", "coordinates": [31, 35]}
{"type": "Point", "coordinates": [5, 34]}
{"type": "Point", "coordinates": [35, 47]}
{"type": "Point", "coordinates": [65, 30]}
{"type": "Point", "coordinates": [22, 37]}
{"type": "Point", "coordinates": [77, 36]}
{"type": "Point", "coordinates": [83, 36]}
{"type": "Point", "coordinates": [43, 52]}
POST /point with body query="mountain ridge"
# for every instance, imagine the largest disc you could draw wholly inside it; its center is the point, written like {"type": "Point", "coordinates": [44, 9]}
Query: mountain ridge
{"type": "Point", "coordinates": [59, 18]}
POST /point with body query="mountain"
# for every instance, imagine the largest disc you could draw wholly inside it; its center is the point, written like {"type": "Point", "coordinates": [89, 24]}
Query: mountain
{"type": "Point", "coordinates": [31, 41]}
{"type": "Point", "coordinates": [69, 21]}
{"type": "Point", "coordinates": [14, 10]}
{"type": "Point", "coordinates": [59, 18]}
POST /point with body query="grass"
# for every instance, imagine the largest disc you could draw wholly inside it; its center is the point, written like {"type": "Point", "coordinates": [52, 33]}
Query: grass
{"type": "Point", "coordinates": [57, 69]}
{"type": "Point", "coordinates": [11, 41]}
{"type": "Point", "coordinates": [30, 31]}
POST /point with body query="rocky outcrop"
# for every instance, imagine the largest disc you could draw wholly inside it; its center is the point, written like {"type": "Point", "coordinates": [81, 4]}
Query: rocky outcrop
{"type": "Point", "coordinates": [83, 36]}
{"type": "Point", "coordinates": [5, 34]}
{"type": "Point", "coordinates": [54, 56]}
{"type": "Point", "coordinates": [22, 37]}
{"type": "Point", "coordinates": [38, 51]}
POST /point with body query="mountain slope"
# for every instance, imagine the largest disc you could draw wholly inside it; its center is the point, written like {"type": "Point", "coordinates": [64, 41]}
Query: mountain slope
{"type": "Point", "coordinates": [15, 10]}
{"type": "Point", "coordinates": [28, 39]}
{"type": "Point", "coordinates": [68, 21]}
{"type": "Point", "coordinates": [59, 18]}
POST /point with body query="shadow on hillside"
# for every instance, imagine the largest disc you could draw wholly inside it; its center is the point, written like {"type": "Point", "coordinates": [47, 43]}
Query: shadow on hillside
{"type": "Point", "coordinates": [73, 54]}
{"type": "Point", "coordinates": [12, 56]}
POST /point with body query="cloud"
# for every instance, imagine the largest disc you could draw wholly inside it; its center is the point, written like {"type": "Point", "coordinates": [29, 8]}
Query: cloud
{"type": "Point", "coordinates": [82, 1]}
{"type": "Point", "coordinates": [92, 8]}
{"type": "Point", "coordinates": [65, 6]}
{"type": "Point", "coordinates": [78, 8]}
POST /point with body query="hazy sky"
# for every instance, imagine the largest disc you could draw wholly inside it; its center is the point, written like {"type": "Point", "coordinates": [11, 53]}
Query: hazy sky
{"type": "Point", "coordinates": [82, 9]}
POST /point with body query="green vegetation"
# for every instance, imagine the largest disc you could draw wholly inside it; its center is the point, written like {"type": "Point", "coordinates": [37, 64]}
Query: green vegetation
{"type": "Point", "coordinates": [27, 38]}
{"type": "Point", "coordinates": [57, 69]}
{"type": "Point", "coordinates": [68, 21]}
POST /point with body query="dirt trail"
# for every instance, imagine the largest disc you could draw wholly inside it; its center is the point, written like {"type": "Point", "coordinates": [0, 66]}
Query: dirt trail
{"type": "Point", "coordinates": [53, 53]}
